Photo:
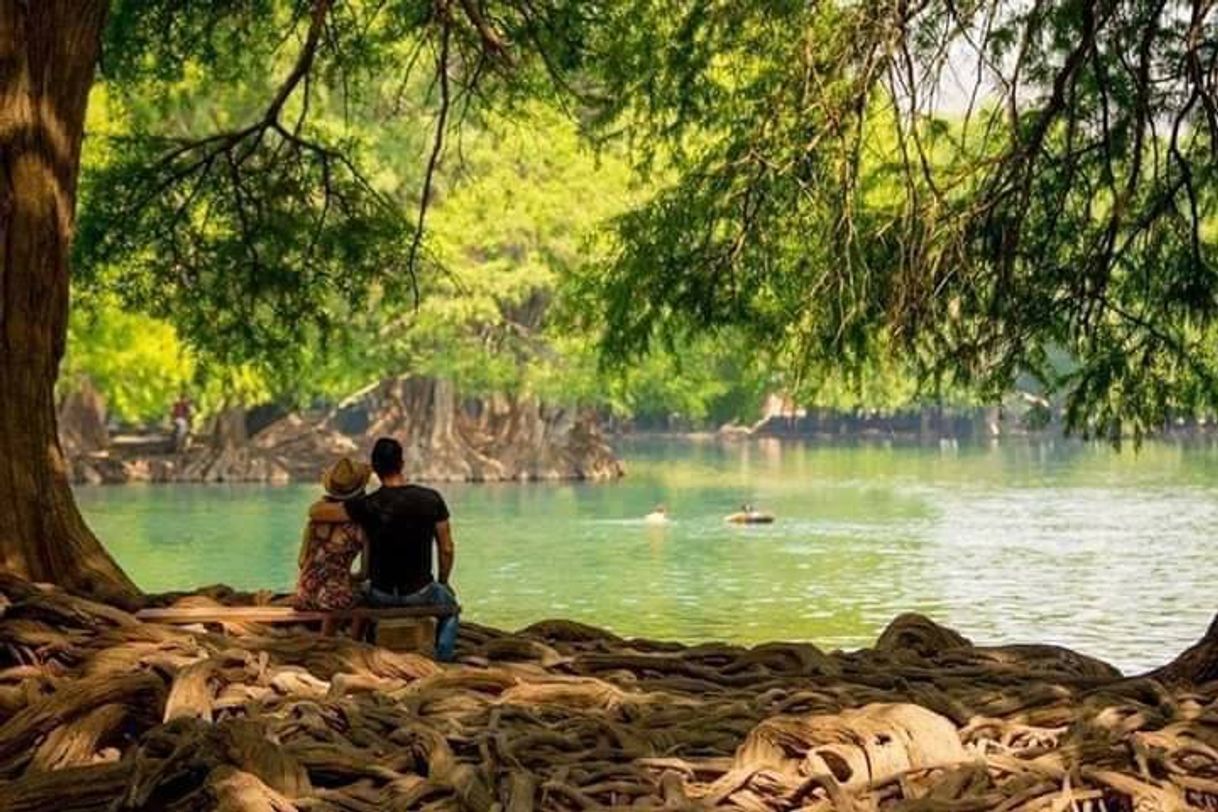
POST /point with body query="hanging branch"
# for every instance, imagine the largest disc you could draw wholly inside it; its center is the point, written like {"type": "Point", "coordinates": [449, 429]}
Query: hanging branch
{"type": "Point", "coordinates": [437, 146]}
{"type": "Point", "coordinates": [198, 156]}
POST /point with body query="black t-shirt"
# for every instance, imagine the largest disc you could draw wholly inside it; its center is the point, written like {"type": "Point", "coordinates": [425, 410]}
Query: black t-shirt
{"type": "Point", "coordinates": [401, 525]}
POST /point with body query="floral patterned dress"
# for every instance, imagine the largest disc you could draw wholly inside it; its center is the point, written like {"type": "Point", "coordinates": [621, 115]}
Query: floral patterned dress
{"type": "Point", "coordinates": [327, 552]}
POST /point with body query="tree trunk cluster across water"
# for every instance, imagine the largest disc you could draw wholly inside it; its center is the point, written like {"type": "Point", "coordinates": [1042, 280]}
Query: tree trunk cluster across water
{"type": "Point", "coordinates": [447, 439]}
{"type": "Point", "coordinates": [99, 711]}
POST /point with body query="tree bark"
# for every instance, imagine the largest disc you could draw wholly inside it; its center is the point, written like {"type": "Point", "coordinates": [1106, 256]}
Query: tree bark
{"type": "Point", "coordinates": [48, 53]}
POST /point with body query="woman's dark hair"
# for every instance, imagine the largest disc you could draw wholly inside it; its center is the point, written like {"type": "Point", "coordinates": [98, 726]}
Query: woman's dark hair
{"type": "Point", "coordinates": [387, 457]}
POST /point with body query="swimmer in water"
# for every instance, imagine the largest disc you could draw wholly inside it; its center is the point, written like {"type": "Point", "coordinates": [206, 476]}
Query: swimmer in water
{"type": "Point", "coordinates": [658, 515]}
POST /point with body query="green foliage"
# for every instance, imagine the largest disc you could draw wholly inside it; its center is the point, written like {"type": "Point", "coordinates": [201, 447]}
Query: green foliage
{"type": "Point", "coordinates": [236, 188]}
{"type": "Point", "coordinates": [135, 361]}
{"type": "Point", "coordinates": [140, 364]}
{"type": "Point", "coordinates": [519, 206]}
{"type": "Point", "coordinates": [254, 242]}
{"type": "Point", "coordinates": [523, 204]}
{"type": "Point", "coordinates": [304, 307]}
{"type": "Point", "coordinates": [823, 202]}
{"type": "Point", "coordinates": [706, 382]}
{"type": "Point", "coordinates": [798, 210]}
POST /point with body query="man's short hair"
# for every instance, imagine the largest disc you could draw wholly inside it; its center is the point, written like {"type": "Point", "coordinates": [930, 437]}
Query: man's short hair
{"type": "Point", "coordinates": [387, 457]}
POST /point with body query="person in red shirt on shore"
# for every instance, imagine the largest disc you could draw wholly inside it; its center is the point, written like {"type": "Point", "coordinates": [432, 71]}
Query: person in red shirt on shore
{"type": "Point", "coordinates": [181, 415]}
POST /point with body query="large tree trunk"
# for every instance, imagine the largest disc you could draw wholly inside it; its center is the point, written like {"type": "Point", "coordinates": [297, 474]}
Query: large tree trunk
{"type": "Point", "coordinates": [48, 50]}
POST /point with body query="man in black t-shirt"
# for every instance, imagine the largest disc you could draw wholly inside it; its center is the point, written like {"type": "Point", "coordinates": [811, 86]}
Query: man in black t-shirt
{"type": "Point", "coordinates": [402, 521]}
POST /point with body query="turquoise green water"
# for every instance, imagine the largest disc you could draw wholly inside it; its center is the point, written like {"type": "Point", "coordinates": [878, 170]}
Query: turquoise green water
{"type": "Point", "coordinates": [1111, 554]}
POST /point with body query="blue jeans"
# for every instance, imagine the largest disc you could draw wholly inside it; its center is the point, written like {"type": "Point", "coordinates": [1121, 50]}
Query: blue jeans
{"type": "Point", "coordinates": [434, 594]}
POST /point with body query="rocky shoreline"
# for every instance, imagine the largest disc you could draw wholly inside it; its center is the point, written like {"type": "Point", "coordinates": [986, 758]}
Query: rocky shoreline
{"type": "Point", "coordinates": [99, 711]}
{"type": "Point", "coordinates": [446, 439]}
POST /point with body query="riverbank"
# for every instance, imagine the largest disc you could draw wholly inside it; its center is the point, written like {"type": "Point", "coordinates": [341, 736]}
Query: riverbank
{"type": "Point", "coordinates": [729, 435]}
{"type": "Point", "coordinates": [297, 450]}
{"type": "Point", "coordinates": [100, 711]}
{"type": "Point", "coordinates": [446, 438]}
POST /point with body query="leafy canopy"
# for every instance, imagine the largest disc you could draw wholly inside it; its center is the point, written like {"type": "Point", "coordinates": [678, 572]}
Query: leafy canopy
{"type": "Point", "coordinates": [960, 194]}
{"type": "Point", "coordinates": [233, 189]}
{"type": "Point", "coordinates": [968, 189]}
{"type": "Point", "coordinates": [298, 304]}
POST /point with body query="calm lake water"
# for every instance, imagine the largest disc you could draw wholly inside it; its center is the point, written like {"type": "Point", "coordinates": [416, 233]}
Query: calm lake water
{"type": "Point", "coordinates": [1110, 554]}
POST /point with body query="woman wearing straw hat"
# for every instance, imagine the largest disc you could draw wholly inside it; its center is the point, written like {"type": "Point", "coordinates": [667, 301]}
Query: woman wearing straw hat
{"type": "Point", "coordinates": [329, 548]}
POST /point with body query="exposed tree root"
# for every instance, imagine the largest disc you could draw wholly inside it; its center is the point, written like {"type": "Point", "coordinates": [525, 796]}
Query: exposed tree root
{"type": "Point", "coordinates": [101, 712]}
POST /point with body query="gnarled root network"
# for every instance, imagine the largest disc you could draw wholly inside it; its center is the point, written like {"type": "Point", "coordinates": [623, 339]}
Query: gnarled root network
{"type": "Point", "coordinates": [99, 711]}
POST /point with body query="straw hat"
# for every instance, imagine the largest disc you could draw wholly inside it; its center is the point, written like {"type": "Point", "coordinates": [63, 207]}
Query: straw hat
{"type": "Point", "coordinates": [345, 479]}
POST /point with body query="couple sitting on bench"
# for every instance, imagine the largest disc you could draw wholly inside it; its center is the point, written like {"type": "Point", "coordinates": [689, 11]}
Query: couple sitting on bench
{"type": "Point", "coordinates": [391, 530]}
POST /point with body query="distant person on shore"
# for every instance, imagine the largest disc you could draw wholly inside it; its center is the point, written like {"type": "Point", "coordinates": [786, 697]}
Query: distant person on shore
{"type": "Point", "coordinates": [403, 521]}
{"type": "Point", "coordinates": [329, 547]}
{"type": "Point", "coordinates": [181, 415]}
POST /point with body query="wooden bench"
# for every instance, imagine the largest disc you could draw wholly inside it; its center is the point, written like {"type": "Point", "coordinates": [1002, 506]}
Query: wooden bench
{"type": "Point", "coordinates": [279, 615]}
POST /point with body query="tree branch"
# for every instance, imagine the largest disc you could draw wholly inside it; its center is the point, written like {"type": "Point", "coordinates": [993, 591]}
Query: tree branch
{"type": "Point", "coordinates": [437, 146]}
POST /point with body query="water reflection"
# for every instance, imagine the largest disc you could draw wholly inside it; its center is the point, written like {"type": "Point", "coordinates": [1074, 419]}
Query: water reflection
{"type": "Point", "coordinates": [1068, 543]}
